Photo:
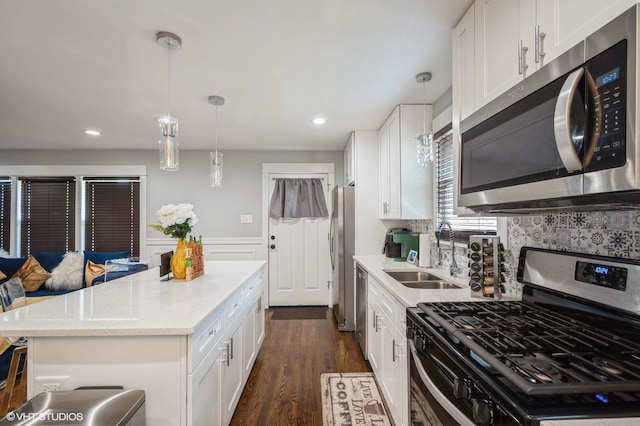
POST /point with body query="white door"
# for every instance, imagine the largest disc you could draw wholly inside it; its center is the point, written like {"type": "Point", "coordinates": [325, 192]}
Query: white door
{"type": "Point", "coordinates": [299, 255]}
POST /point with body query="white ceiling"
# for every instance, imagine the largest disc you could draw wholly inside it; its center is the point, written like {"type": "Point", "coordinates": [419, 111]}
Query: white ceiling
{"type": "Point", "coordinates": [68, 65]}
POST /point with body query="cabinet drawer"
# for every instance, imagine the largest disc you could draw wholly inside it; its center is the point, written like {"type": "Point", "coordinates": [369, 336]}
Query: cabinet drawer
{"type": "Point", "coordinates": [374, 287]}
{"type": "Point", "coordinates": [401, 316]}
{"type": "Point", "coordinates": [233, 307]}
{"type": "Point", "coordinates": [253, 287]}
{"type": "Point", "coordinates": [204, 338]}
{"type": "Point", "coordinates": [387, 303]}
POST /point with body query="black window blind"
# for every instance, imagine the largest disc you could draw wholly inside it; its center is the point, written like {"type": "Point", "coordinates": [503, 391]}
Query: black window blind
{"type": "Point", "coordinates": [5, 213]}
{"type": "Point", "coordinates": [112, 214]}
{"type": "Point", "coordinates": [47, 220]}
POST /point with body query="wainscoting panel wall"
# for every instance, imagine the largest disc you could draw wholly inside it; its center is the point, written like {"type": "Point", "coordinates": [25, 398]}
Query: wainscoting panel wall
{"type": "Point", "coordinates": [214, 249]}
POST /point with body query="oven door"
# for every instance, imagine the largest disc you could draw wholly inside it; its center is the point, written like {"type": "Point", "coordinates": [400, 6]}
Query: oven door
{"type": "Point", "coordinates": [431, 400]}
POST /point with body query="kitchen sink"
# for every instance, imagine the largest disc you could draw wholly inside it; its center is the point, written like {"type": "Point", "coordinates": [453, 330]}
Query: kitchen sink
{"type": "Point", "coordinates": [429, 285]}
{"type": "Point", "coordinates": [420, 279]}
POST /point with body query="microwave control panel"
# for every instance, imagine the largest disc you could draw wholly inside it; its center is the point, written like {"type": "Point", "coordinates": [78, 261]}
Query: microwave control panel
{"type": "Point", "coordinates": [608, 73]}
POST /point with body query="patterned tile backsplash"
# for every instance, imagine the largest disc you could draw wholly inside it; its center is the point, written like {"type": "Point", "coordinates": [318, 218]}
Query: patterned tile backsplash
{"type": "Point", "coordinates": [610, 233]}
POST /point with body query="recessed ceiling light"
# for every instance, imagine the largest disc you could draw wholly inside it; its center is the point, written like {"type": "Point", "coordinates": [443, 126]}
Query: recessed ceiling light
{"type": "Point", "coordinates": [92, 132]}
{"type": "Point", "coordinates": [318, 121]}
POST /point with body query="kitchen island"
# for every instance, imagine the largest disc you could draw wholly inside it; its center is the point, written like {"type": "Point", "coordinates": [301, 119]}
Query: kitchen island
{"type": "Point", "coordinates": [189, 345]}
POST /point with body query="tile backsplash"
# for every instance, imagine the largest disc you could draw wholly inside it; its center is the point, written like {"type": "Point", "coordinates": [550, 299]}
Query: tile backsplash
{"type": "Point", "coordinates": [613, 233]}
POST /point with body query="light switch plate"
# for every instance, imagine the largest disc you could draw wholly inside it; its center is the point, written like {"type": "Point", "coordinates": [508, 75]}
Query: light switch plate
{"type": "Point", "coordinates": [246, 218]}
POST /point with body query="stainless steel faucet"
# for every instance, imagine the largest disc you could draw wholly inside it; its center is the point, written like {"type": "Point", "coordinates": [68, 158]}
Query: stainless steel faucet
{"type": "Point", "coordinates": [453, 268]}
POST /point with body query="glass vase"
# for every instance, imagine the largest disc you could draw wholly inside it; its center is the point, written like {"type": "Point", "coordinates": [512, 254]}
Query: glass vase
{"type": "Point", "coordinates": [179, 260]}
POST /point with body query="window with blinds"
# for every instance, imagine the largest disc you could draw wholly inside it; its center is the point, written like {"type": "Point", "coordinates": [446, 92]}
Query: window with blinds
{"type": "Point", "coordinates": [5, 213]}
{"type": "Point", "coordinates": [445, 190]}
{"type": "Point", "coordinates": [112, 214]}
{"type": "Point", "coordinates": [47, 214]}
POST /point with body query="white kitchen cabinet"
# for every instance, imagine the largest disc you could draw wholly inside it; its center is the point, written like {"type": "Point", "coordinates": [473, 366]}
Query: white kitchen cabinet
{"type": "Point", "coordinates": [514, 38]}
{"type": "Point", "coordinates": [253, 334]}
{"type": "Point", "coordinates": [374, 317]}
{"type": "Point", "coordinates": [350, 161]}
{"type": "Point", "coordinates": [405, 188]}
{"type": "Point", "coordinates": [387, 349]}
{"type": "Point", "coordinates": [231, 375]}
{"type": "Point", "coordinates": [204, 387]}
{"type": "Point", "coordinates": [463, 65]}
{"type": "Point", "coordinates": [502, 55]}
{"type": "Point", "coordinates": [564, 23]}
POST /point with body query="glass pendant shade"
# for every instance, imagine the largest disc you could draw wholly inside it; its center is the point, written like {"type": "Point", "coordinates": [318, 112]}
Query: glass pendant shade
{"type": "Point", "coordinates": [215, 163]}
{"type": "Point", "coordinates": [169, 145]}
{"type": "Point", "coordinates": [424, 142]}
{"type": "Point", "coordinates": [215, 157]}
{"type": "Point", "coordinates": [425, 148]}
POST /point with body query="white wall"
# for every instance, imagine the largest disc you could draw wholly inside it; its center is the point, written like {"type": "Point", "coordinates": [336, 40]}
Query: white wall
{"type": "Point", "coordinates": [218, 209]}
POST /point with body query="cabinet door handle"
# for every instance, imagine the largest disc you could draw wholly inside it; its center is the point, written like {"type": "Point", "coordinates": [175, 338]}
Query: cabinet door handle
{"type": "Point", "coordinates": [393, 350]}
{"type": "Point", "coordinates": [396, 352]}
{"type": "Point", "coordinates": [231, 350]}
{"type": "Point", "coordinates": [522, 58]}
{"type": "Point", "coordinates": [225, 353]}
{"type": "Point", "coordinates": [539, 37]}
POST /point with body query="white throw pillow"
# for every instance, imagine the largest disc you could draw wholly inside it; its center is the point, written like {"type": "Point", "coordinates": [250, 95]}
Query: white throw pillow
{"type": "Point", "coordinates": [68, 274]}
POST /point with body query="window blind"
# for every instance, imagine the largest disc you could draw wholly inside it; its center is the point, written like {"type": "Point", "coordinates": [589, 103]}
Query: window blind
{"type": "Point", "coordinates": [445, 191]}
{"type": "Point", "coordinates": [112, 214]}
{"type": "Point", "coordinates": [47, 220]}
{"type": "Point", "coordinates": [5, 213]}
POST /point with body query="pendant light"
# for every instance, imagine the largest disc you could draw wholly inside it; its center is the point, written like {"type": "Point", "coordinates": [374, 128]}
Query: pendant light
{"type": "Point", "coordinates": [169, 146]}
{"type": "Point", "coordinates": [215, 157]}
{"type": "Point", "coordinates": [425, 140]}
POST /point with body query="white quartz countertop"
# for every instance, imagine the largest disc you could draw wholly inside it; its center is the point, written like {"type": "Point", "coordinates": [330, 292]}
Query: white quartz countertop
{"type": "Point", "coordinates": [138, 304]}
{"type": "Point", "coordinates": [376, 264]}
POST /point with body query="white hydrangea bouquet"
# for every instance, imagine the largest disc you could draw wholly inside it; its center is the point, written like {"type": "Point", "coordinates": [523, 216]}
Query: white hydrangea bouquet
{"type": "Point", "coordinates": [175, 220]}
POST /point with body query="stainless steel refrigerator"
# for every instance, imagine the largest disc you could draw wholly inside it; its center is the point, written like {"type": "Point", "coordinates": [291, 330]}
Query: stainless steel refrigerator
{"type": "Point", "coordinates": [342, 246]}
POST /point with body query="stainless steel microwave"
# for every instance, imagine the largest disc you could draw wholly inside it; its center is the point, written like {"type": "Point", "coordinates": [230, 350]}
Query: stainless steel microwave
{"type": "Point", "coordinates": [565, 136]}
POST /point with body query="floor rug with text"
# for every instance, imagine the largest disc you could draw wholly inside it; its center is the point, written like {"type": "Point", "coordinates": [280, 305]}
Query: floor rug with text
{"type": "Point", "coordinates": [352, 399]}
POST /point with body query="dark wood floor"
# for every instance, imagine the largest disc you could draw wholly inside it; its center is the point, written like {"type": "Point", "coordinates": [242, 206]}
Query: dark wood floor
{"type": "Point", "coordinates": [284, 385]}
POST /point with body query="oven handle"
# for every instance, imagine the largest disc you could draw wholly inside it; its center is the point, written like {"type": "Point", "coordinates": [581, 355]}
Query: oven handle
{"type": "Point", "coordinates": [435, 392]}
{"type": "Point", "coordinates": [562, 124]}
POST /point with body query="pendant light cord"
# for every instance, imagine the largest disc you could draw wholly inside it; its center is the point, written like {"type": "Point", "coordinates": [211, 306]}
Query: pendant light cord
{"type": "Point", "coordinates": [169, 84]}
{"type": "Point", "coordinates": [216, 130]}
{"type": "Point", "coordinates": [424, 110]}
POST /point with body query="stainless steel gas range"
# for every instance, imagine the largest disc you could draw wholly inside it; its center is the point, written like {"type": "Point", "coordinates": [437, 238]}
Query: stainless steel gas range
{"type": "Point", "coordinates": [569, 350]}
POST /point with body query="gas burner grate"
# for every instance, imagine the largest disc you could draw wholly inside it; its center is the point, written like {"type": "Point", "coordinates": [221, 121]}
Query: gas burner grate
{"type": "Point", "coordinates": [541, 351]}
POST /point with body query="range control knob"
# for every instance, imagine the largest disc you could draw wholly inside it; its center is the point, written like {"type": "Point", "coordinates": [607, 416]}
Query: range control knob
{"type": "Point", "coordinates": [411, 332]}
{"type": "Point", "coordinates": [461, 388]}
{"type": "Point", "coordinates": [482, 412]}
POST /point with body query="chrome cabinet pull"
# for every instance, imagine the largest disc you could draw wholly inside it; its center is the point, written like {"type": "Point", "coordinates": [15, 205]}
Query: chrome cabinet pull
{"type": "Point", "coordinates": [522, 58]}
{"type": "Point", "coordinates": [393, 350]}
{"type": "Point", "coordinates": [225, 353]}
{"type": "Point", "coordinates": [539, 37]}
{"type": "Point", "coordinates": [231, 350]}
